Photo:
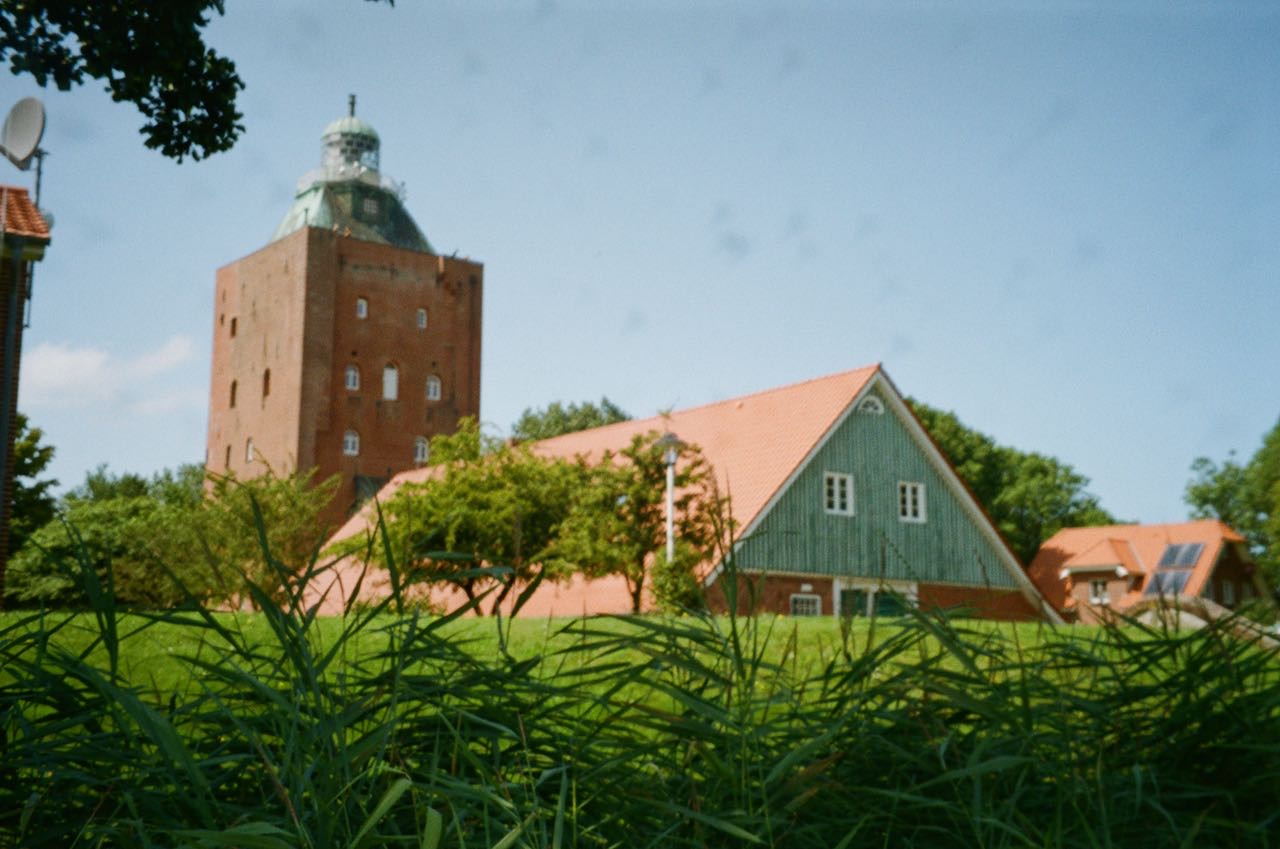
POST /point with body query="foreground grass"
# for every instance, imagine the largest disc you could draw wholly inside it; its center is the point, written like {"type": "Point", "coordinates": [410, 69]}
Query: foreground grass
{"type": "Point", "coordinates": [193, 728]}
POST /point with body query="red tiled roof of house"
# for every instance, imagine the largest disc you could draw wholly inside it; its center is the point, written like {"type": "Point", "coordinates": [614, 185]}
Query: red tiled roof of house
{"type": "Point", "coordinates": [1138, 548]}
{"type": "Point", "coordinates": [754, 443]}
{"type": "Point", "coordinates": [19, 215]}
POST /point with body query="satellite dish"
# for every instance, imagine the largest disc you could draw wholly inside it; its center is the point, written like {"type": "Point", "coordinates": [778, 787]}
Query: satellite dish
{"type": "Point", "coordinates": [22, 131]}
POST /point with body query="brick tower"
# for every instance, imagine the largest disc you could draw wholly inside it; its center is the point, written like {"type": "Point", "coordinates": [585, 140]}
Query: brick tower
{"type": "Point", "coordinates": [346, 343]}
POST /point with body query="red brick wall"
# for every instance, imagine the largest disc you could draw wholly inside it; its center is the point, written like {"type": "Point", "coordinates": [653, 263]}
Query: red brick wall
{"type": "Point", "coordinates": [977, 601]}
{"type": "Point", "coordinates": [295, 304]}
{"type": "Point", "coordinates": [771, 594]}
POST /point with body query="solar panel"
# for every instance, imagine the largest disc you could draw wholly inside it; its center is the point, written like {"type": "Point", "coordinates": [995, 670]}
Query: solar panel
{"type": "Point", "coordinates": [1167, 583]}
{"type": "Point", "coordinates": [1190, 554]}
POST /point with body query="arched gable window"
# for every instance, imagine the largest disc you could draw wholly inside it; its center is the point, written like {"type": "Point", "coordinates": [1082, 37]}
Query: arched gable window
{"type": "Point", "coordinates": [233, 393]}
{"type": "Point", "coordinates": [266, 383]}
{"type": "Point", "coordinates": [351, 443]}
{"type": "Point", "coordinates": [433, 388]}
{"type": "Point", "coordinates": [390, 382]}
{"type": "Point", "coordinates": [421, 450]}
{"type": "Point", "coordinates": [352, 378]}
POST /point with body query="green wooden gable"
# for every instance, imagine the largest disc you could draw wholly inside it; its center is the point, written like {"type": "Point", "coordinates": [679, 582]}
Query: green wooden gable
{"type": "Point", "coordinates": [879, 450]}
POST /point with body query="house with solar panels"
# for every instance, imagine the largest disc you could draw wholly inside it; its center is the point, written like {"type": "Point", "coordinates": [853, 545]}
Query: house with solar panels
{"type": "Point", "coordinates": [843, 505]}
{"type": "Point", "coordinates": [1087, 573]}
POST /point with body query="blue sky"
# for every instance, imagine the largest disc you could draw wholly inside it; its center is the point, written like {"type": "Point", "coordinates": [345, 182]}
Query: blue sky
{"type": "Point", "coordinates": [1058, 220]}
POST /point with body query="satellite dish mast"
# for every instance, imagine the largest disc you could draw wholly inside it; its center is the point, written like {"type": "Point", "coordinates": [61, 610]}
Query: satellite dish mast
{"type": "Point", "coordinates": [20, 138]}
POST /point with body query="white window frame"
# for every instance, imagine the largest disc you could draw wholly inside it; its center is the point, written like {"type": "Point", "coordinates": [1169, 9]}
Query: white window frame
{"type": "Point", "coordinates": [805, 600]}
{"type": "Point", "coordinates": [837, 493]}
{"type": "Point", "coordinates": [434, 388]}
{"type": "Point", "coordinates": [871, 405]}
{"type": "Point", "coordinates": [351, 444]}
{"type": "Point", "coordinates": [421, 450]}
{"type": "Point", "coordinates": [1096, 597]}
{"type": "Point", "coordinates": [912, 506]}
{"type": "Point", "coordinates": [422, 318]}
{"type": "Point", "coordinates": [909, 590]}
{"type": "Point", "coordinates": [390, 382]}
{"type": "Point", "coordinates": [362, 308]}
{"type": "Point", "coordinates": [351, 378]}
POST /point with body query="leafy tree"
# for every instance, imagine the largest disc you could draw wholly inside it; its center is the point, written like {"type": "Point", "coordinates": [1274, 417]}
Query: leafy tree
{"type": "Point", "coordinates": [485, 521]}
{"type": "Point", "coordinates": [558, 419]}
{"type": "Point", "coordinates": [1029, 496]}
{"type": "Point", "coordinates": [33, 501]}
{"type": "Point", "coordinates": [154, 542]}
{"type": "Point", "coordinates": [1245, 496]}
{"type": "Point", "coordinates": [151, 56]}
{"type": "Point", "coordinates": [618, 524]}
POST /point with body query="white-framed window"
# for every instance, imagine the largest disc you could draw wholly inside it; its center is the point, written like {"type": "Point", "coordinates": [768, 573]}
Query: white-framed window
{"type": "Point", "coordinates": [422, 319]}
{"type": "Point", "coordinates": [872, 405]}
{"type": "Point", "coordinates": [421, 450]}
{"type": "Point", "coordinates": [1229, 593]}
{"type": "Point", "coordinates": [1098, 592]}
{"type": "Point", "coordinates": [351, 443]}
{"type": "Point", "coordinates": [837, 493]}
{"type": "Point", "coordinates": [249, 452]}
{"type": "Point", "coordinates": [390, 382]}
{"type": "Point", "coordinates": [362, 308]}
{"type": "Point", "coordinates": [806, 604]}
{"type": "Point", "coordinates": [433, 388]}
{"type": "Point", "coordinates": [911, 505]}
{"type": "Point", "coordinates": [351, 378]}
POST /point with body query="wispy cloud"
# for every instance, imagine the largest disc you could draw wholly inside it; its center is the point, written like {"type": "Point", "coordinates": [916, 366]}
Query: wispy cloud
{"type": "Point", "coordinates": [62, 376]}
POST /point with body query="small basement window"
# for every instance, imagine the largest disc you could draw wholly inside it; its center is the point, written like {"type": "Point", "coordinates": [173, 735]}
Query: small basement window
{"type": "Point", "coordinates": [911, 504]}
{"type": "Point", "coordinates": [806, 604]}
{"type": "Point", "coordinates": [837, 493]}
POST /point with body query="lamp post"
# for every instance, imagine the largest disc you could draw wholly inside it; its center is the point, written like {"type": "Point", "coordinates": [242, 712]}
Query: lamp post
{"type": "Point", "coordinates": [670, 445]}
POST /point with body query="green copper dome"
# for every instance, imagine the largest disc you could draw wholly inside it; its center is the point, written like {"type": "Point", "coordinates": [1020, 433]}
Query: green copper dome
{"type": "Point", "coordinates": [348, 194]}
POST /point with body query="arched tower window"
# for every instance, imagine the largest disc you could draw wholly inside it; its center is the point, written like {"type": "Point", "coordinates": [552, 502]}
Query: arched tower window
{"type": "Point", "coordinates": [433, 388]}
{"type": "Point", "coordinates": [352, 378]}
{"type": "Point", "coordinates": [226, 462]}
{"type": "Point", "coordinates": [233, 393]}
{"type": "Point", "coordinates": [266, 383]}
{"type": "Point", "coordinates": [422, 319]}
{"type": "Point", "coordinates": [351, 443]}
{"type": "Point", "coordinates": [249, 453]}
{"type": "Point", "coordinates": [362, 308]}
{"type": "Point", "coordinates": [421, 450]}
{"type": "Point", "coordinates": [390, 382]}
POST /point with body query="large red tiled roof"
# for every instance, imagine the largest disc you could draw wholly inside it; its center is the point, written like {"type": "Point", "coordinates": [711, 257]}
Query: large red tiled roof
{"type": "Point", "coordinates": [754, 443]}
{"type": "Point", "coordinates": [19, 214]}
{"type": "Point", "coordinates": [1138, 548]}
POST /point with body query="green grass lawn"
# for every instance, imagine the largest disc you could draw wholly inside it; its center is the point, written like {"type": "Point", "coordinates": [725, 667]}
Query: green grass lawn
{"type": "Point", "coordinates": [194, 728]}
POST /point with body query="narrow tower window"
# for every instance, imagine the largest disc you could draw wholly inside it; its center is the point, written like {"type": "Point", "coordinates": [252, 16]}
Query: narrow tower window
{"type": "Point", "coordinates": [233, 327]}
{"type": "Point", "coordinates": [390, 382]}
{"type": "Point", "coordinates": [421, 450]}
{"type": "Point", "coordinates": [248, 451]}
{"type": "Point", "coordinates": [352, 379]}
{"type": "Point", "coordinates": [362, 308]}
{"type": "Point", "coordinates": [351, 443]}
{"type": "Point", "coordinates": [226, 461]}
{"type": "Point", "coordinates": [233, 393]}
{"type": "Point", "coordinates": [433, 388]}
{"type": "Point", "coordinates": [266, 383]}
{"type": "Point", "coordinates": [422, 319]}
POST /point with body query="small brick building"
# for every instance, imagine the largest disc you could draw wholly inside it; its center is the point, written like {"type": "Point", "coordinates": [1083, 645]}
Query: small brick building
{"type": "Point", "coordinates": [346, 343]}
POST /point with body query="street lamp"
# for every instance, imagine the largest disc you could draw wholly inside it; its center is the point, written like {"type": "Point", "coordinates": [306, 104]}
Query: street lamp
{"type": "Point", "coordinates": [670, 445]}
